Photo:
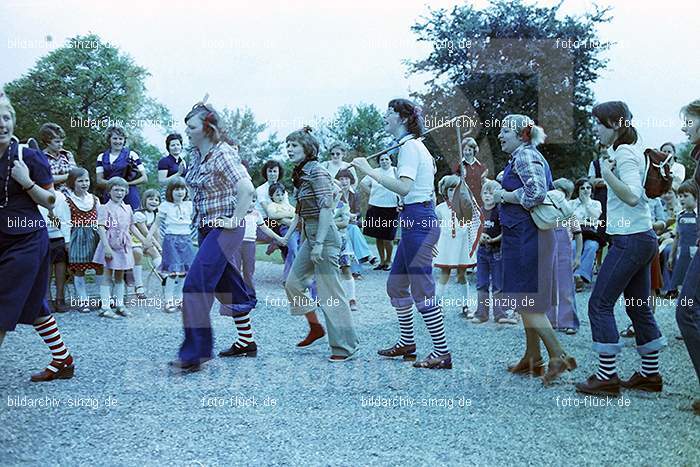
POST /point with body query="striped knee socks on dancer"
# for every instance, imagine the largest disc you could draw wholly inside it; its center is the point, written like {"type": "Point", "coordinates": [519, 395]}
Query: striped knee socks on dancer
{"type": "Point", "coordinates": [245, 331]}
{"type": "Point", "coordinates": [436, 327]}
{"type": "Point", "coordinates": [405, 316]}
{"type": "Point", "coordinates": [48, 330]}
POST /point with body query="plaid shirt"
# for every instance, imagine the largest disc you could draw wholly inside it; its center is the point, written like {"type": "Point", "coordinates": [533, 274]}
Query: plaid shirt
{"type": "Point", "coordinates": [213, 179]}
{"type": "Point", "coordinates": [530, 165]}
{"type": "Point", "coordinates": [315, 192]}
{"type": "Point", "coordinates": [61, 164]}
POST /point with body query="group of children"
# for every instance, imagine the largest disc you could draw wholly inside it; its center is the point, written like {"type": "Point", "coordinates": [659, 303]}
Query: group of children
{"type": "Point", "coordinates": [111, 239]}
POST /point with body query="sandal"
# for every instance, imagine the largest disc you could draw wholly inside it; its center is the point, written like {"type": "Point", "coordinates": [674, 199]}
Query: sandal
{"type": "Point", "coordinates": [629, 332]}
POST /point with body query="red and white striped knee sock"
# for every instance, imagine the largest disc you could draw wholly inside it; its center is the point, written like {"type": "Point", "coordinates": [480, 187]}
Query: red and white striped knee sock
{"type": "Point", "coordinates": [245, 330]}
{"type": "Point", "coordinates": [48, 330]}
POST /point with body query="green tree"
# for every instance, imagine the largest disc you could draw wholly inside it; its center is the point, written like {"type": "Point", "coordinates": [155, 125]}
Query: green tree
{"type": "Point", "coordinates": [85, 86]}
{"type": "Point", "coordinates": [255, 149]}
{"type": "Point", "coordinates": [360, 127]}
{"type": "Point", "coordinates": [511, 57]}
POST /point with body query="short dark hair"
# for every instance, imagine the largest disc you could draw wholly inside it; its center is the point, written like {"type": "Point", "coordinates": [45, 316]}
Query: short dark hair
{"type": "Point", "coordinates": [170, 138]}
{"type": "Point", "coordinates": [269, 165]}
{"type": "Point", "coordinates": [49, 131]}
{"type": "Point", "coordinates": [668, 143]}
{"type": "Point", "coordinates": [175, 182]}
{"type": "Point", "coordinates": [347, 174]}
{"type": "Point", "coordinates": [74, 174]}
{"type": "Point", "coordinates": [276, 187]}
{"type": "Point", "coordinates": [579, 183]}
{"type": "Point", "coordinates": [690, 187]}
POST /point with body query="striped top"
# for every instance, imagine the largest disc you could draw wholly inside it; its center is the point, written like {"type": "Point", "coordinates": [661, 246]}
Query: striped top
{"type": "Point", "coordinates": [315, 192]}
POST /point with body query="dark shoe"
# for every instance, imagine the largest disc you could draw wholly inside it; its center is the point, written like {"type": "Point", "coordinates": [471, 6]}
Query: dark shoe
{"type": "Point", "coordinates": [696, 407]}
{"type": "Point", "coordinates": [436, 362]}
{"type": "Point", "coordinates": [579, 283]}
{"type": "Point", "coordinates": [595, 386]}
{"type": "Point", "coordinates": [140, 293]}
{"type": "Point", "coordinates": [387, 267]}
{"type": "Point", "coordinates": [342, 358]}
{"type": "Point", "coordinates": [528, 367]}
{"type": "Point", "coordinates": [558, 366]}
{"type": "Point", "coordinates": [379, 267]}
{"type": "Point", "coordinates": [374, 261]}
{"type": "Point", "coordinates": [629, 332]}
{"type": "Point", "coordinates": [316, 332]}
{"type": "Point", "coordinates": [180, 367]}
{"type": "Point", "coordinates": [65, 369]}
{"type": "Point", "coordinates": [60, 306]}
{"type": "Point", "coordinates": [353, 305]}
{"type": "Point", "coordinates": [652, 383]}
{"type": "Point", "coordinates": [251, 350]}
{"type": "Point", "coordinates": [408, 352]}
{"type": "Point", "coordinates": [357, 276]}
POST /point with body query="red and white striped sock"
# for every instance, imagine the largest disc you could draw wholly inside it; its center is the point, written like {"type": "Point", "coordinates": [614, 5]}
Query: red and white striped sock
{"type": "Point", "coordinates": [48, 330]}
{"type": "Point", "coordinates": [245, 330]}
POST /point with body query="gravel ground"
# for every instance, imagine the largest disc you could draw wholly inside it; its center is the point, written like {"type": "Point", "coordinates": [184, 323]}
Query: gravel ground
{"type": "Point", "coordinates": [294, 407]}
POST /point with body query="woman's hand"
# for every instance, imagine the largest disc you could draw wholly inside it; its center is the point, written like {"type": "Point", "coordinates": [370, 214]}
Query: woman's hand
{"type": "Point", "coordinates": [499, 195]}
{"type": "Point", "coordinates": [281, 240]}
{"type": "Point", "coordinates": [108, 252]}
{"type": "Point", "coordinates": [316, 253]}
{"type": "Point", "coordinates": [361, 164]}
{"type": "Point", "coordinates": [20, 174]}
{"type": "Point", "coordinates": [485, 239]}
{"type": "Point", "coordinates": [607, 164]}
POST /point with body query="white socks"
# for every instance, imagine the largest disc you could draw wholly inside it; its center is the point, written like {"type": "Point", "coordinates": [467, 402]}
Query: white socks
{"type": "Point", "coordinates": [105, 295]}
{"type": "Point", "coordinates": [177, 289]}
{"type": "Point", "coordinates": [170, 291]}
{"type": "Point", "coordinates": [80, 288]}
{"type": "Point", "coordinates": [465, 292]}
{"type": "Point", "coordinates": [119, 292]}
{"type": "Point", "coordinates": [138, 276]}
{"type": "Point", "coordinates": [349, 286]}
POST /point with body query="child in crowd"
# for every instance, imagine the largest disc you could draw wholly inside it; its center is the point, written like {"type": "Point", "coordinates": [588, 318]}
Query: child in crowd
{"type": "Point", "coordinates": [341, 217]}
{"type": "Point", "coordinates": [564, 318]}
{"type": "Point", "coordinates": [684, 242]}
{"type": "Point", "coordinates": [281, 215]}
{"type": "Point", "coordinates": [175, 214]}
{"type": "Point", "coordinates": [146, 221]}
{"type": "Point", "coordinates": [454, 246]}
{"type": "Point", "coordinates": [115, 220]}
{"type": "Point", "coordinates": [489, 272]}
{"type": "Point", "coordinates": [246, 255]}
{"type": "Point", "coordinates": [58, 224]}
{"type": "Point", "coordinates": [83, 236]}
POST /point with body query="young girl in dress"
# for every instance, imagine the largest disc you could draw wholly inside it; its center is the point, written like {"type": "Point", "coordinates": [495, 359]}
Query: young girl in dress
{"type": "Point", "coordinates": [246, 254]}
{"type": "Point", "coordinates": [454, 246]}
{"type": "Point", "coordinates": [146, 221]}
{"type": "Point", "coordinates": [175, 214]}
{"type": "Point", "coordinates": [342, 217]}
{"type": "Point", "coordinates": [83, 236]}
{"type": "Point", "coordinates": [115, 220]}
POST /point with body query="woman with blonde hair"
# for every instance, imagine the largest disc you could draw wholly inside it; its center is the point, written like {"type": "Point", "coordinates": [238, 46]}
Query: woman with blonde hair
{"type": "Point", "coordinates": [25, 183]}
{"type": "Point", "coordinates": [529, 278]}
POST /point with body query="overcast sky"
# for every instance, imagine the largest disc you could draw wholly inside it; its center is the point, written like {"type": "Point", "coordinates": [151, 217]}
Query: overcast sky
{"type": "Point", "coordinates": [293, 62]}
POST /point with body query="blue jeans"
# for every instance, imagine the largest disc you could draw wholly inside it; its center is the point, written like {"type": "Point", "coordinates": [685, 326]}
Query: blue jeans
{"type": "Point", "coordinates": [411, 276]}
{"type": "Point", "coordinates": [213, 274]}
{"type": "Point", "coordinates": [585, 269]}
{"type": "Point", "coordinates": [489, 273]}
{"type": "Point", "coordinates": [688, 312]}
{"type": "Point", "coordinates": [625, 270]}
